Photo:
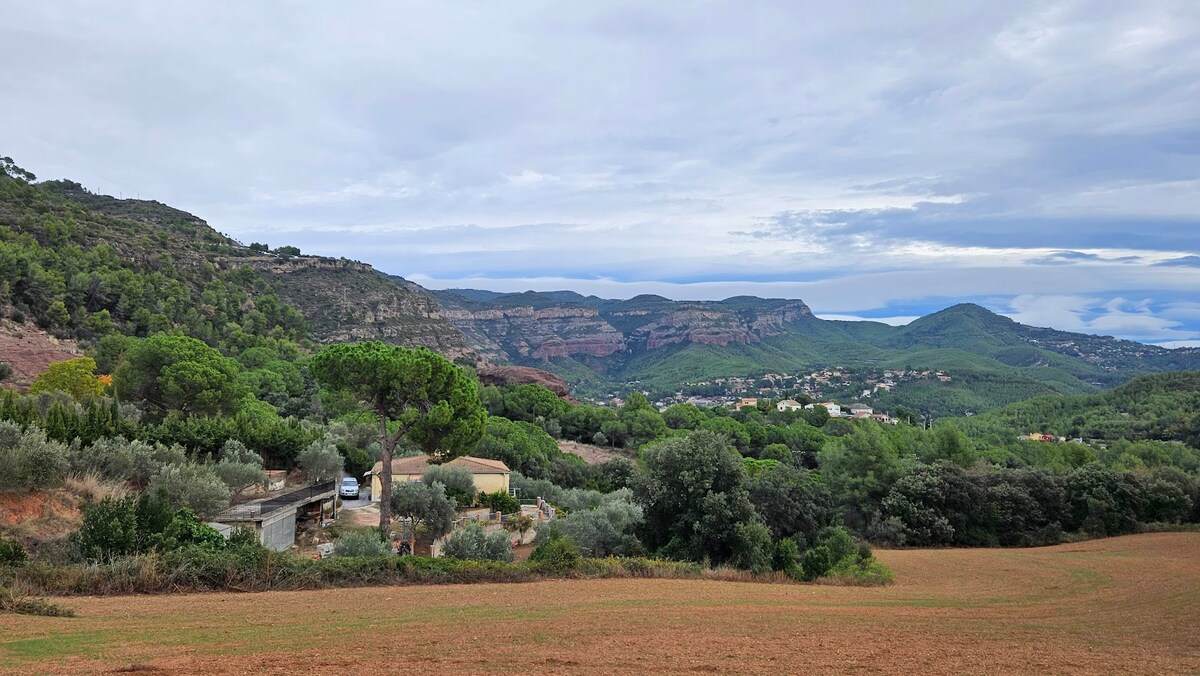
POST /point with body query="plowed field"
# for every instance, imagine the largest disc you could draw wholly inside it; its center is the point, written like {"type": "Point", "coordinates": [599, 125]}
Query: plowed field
{"type": "Point", "coordinates": [1128, 604]}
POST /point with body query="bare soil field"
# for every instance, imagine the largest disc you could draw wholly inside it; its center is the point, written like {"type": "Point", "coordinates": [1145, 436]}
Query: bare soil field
{"type": "Point", "coordinates": [591, 454]}
{"type": "Point", "coordinates": [1127, 604]}
{"type": "Point", "coordinates": [31, 350]}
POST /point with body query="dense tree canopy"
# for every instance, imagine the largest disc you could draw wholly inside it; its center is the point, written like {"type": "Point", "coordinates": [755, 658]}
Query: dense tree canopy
{"type": "Point", "coordinates": [696, 503]}
{"type": "Point", "coordinates": [76, 377]}
{"type": "Point", "coordinates": [423, 396]}
{"type": "Point", "coordinates": [178, 374]}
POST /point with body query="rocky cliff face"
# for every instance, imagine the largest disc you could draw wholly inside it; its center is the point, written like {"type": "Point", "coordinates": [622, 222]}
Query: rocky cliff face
{"type": "Point", "coordinates": [529, 327]}
{"type": "Point", "coordinates": [345, 300]}
{"type": "Point", "coordinates": [513, 333]}
{"type": "Point", "coordinates": [491, 374]}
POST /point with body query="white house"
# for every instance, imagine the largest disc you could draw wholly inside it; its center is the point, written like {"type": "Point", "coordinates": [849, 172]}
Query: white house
{"type": "Point", "coordinates": [835, 411]}
{"type": "Point", "coordinates": [789, 405]}
{"type": "Point", "coordinates": [860, 411]}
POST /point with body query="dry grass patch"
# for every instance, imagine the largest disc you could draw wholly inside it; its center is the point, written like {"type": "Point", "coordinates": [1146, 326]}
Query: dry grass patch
{"type": "Point", "coordinates": [90, 487]}
{"type": "Point", "coordinates": [1121, 605]}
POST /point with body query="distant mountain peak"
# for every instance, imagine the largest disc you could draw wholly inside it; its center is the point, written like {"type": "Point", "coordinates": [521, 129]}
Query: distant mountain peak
{"type": "Point", "coordinates": [968, 308]}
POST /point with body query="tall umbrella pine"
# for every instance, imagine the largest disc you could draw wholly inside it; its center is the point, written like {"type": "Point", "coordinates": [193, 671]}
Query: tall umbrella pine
{"type": "Point", "coordinates": [417, 394]}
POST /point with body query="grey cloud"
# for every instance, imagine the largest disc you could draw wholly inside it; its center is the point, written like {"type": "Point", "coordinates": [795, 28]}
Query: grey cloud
{"type": "Point", "coordinates": [1071, 257]}
{"type": "Point", "coordinates": [1183, 261]}
{"type": "Point", "coordinates": [650, 142]}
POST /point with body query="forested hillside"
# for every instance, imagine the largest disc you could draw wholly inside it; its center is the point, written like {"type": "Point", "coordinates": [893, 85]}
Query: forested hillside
{"type": "Point", "coordinates": [87, 267]}
{"type": "Point", "coordinates": [129, 267]}
{"type": "Point", "coordinates": [662, 345]}
{"type": "Point", "coordinates": [1163, 407]}
{"type": "Point", "coordinates": [206, 365]}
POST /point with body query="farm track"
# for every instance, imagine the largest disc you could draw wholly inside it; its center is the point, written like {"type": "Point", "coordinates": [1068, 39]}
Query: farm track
{"type": "Point", "coordinates": [1125, 604]}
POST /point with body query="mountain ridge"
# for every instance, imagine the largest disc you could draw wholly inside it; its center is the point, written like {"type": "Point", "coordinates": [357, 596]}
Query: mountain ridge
{"type": "Point", "coordinates": [662, 343]}
{"type": "Point", "coordinates": [110, 261]}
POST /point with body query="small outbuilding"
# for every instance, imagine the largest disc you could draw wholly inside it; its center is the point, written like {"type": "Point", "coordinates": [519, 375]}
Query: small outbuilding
{"type": "Point", "coordinates": [273, 519]}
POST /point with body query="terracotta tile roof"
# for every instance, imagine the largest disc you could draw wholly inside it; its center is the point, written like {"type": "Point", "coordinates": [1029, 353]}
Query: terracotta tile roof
{"type": "Point", "coordinates": [416, 464]}
{"type": "Point", "coordinates": [480, 465]}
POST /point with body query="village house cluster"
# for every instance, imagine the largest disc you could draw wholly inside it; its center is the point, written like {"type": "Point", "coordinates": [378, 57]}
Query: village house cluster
{"type": "Point", "coordinates": [821, 384]}
{"type": "Point", "coordinates": [857, 411]}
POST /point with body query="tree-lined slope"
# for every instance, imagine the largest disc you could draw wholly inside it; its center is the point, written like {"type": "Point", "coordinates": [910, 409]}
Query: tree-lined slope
{"type": "Point", "coordinates": [663, 343]}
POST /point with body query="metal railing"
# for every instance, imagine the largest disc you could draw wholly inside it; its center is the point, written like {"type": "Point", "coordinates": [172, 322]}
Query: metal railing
{"type": "Point", "coordinates": [299, 496]}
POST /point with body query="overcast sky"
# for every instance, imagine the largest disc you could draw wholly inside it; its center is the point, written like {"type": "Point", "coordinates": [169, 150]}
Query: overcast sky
{"type": "Point", "coordinates": [877, 159]}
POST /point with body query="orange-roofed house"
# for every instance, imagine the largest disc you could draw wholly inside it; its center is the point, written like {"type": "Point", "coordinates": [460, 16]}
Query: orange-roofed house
{"type": "Point", "coordinates": [746, 401]}
{"type": "Point", "coordinates": [490, 475]}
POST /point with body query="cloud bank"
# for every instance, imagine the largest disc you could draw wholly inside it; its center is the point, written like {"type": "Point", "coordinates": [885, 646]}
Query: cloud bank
{"type": "Point", "coordinates": [876, 161]}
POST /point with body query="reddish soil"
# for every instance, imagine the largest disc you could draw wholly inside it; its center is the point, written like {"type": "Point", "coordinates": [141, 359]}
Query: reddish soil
{"type": "Point", "coordinates": [31, 351]}
{"type": "Point", "coordinates": [36, 517]}
{"type": "Point", "coordinates": [17, 507]}
{"type": "Point", "coordinates": [1120, 605]}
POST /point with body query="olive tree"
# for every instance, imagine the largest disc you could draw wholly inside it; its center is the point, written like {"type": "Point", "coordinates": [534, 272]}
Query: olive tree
{"type": "Point", "coordinates": [426, 507]}
{"type": "Point", "coordinates": [239, 467]}
{"type": "Point", "coordinates": [196, 487]}
{"type": "Point", "coordinates": [476, 544]}
{"type": "Point", "coordinates": [321, 460]}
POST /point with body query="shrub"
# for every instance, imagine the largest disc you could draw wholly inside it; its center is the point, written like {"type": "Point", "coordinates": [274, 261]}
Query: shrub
{"type": "Point", "coordinates": [858, 572]}
{"type": "Point", "coordinates": [11, 552]}
{"type": "Point", "coordinates": [459, 483]}
{"type": "Point", "coordinates": [606, 530]}
{"type": "Point", "coordinates": [29, 459]}
{"type": "Point", "coordinates": [365, 542]}
{"type": "Point", "coordinates": [474, 543]}
{"type": "Point", "coordinates": [186, 529]}
{"type": "Point", "coordinates": [109, 529]}
{"type": "Point", "coordinates": [320, 460]}
{"type": "Point", "coordinates": [787, 559]}
{"type": "Point", "coordinates": [153, 517]}
{"type": "Point", "coordinates": [817, 561]}
{"type": "Point", "coordinates": [556, 555]}
{"type": "Point", "coordinates": [24, 605]}
{"type": "Point", "coordinates": [242, 538]}
{"type": "Point", "coordinates": [833, 545]}
{"type": "Point", "coordinates": [196, 487]}
{"type": "Point", "coordinates": [6, 370]}
{"type": "Point", "coordinates": [500, 501]}
{"type": "Point", "coordinates": [753, 549]}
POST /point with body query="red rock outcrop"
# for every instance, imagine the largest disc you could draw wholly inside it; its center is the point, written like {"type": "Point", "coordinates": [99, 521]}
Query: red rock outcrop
{"type": "Point", "coordinates": [494, 374]}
